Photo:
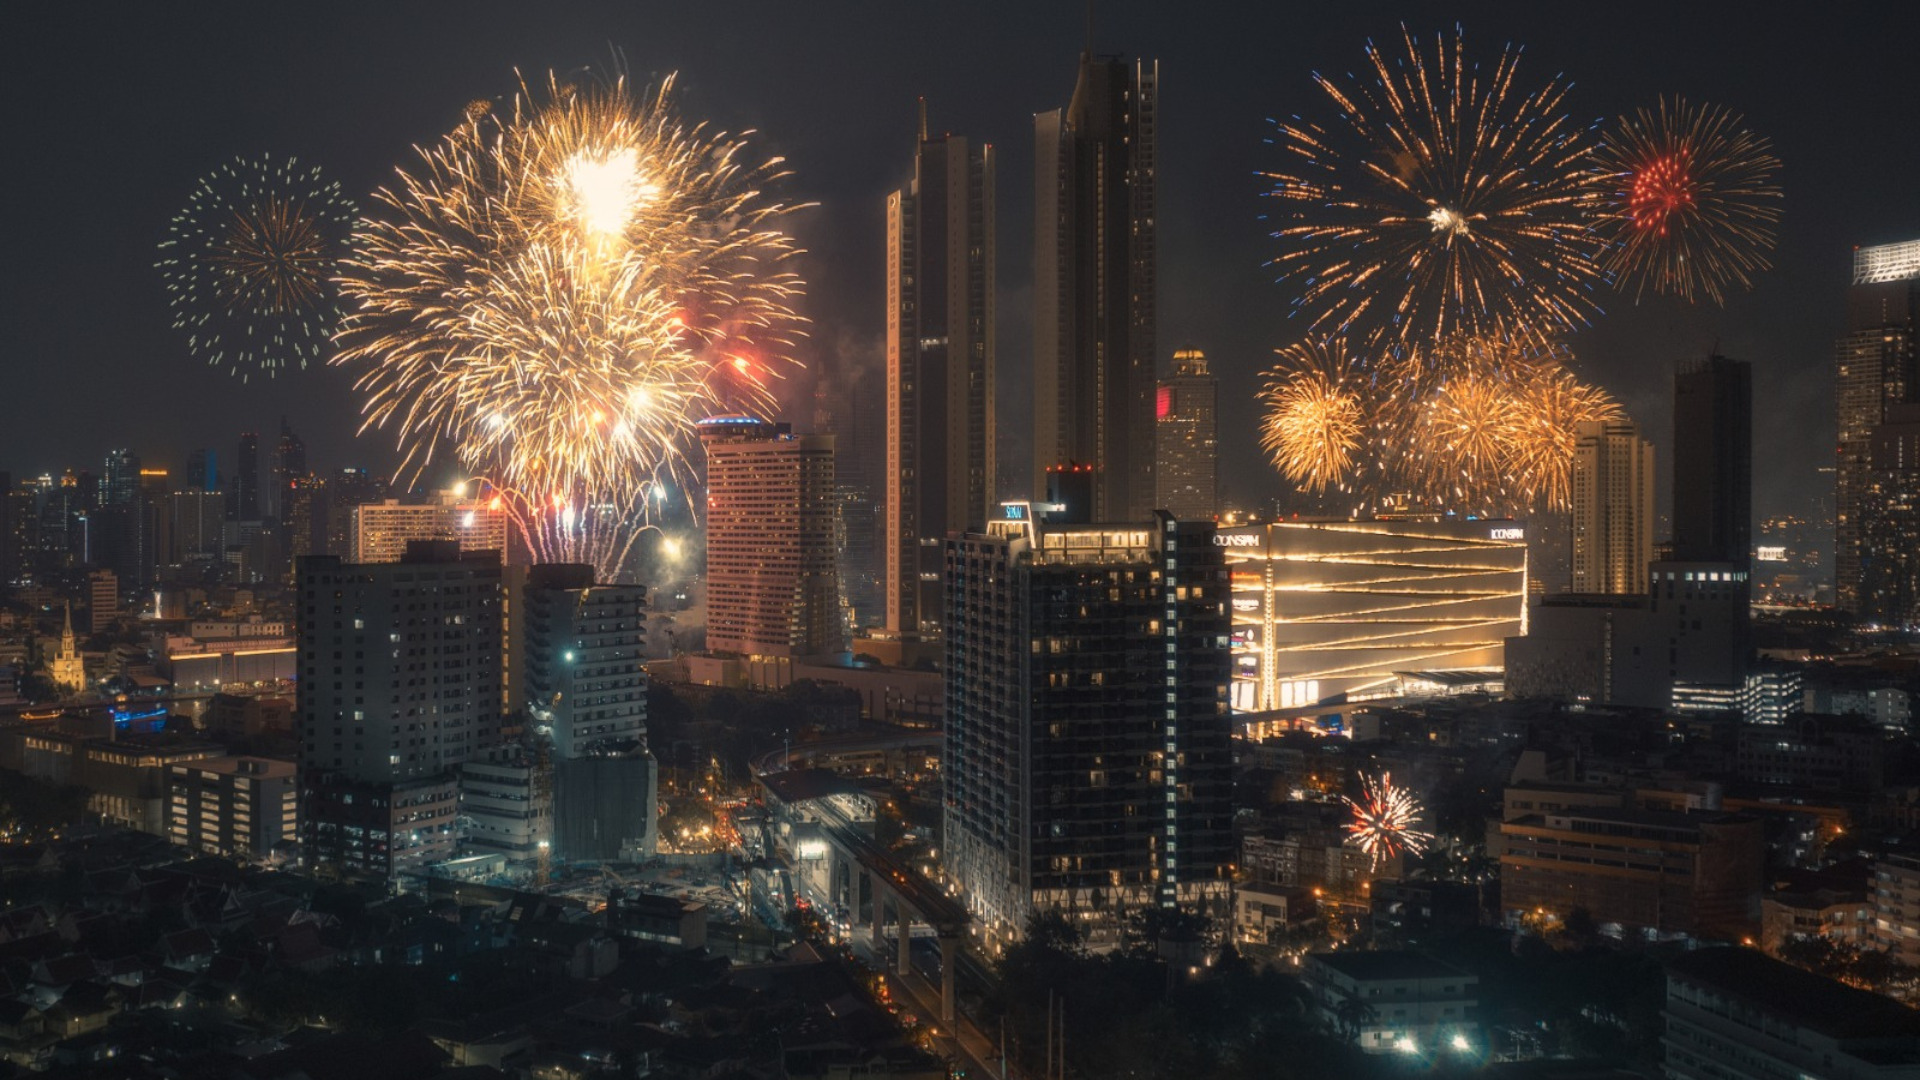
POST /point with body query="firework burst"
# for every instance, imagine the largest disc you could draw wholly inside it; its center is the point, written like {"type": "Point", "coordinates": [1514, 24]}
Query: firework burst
{"type": "Point", "coordinates": [248, 264]}
{"type": "Point", "coordinates": [1316, 415]}
{"type": "Point", "coordinates": [1550, 405]}
{"type": "Point", "coordinates": [1687, 200]}
{"type": "Point", "coordinates": [1442, 198]}
{"type": "Point", "coordinates": [557, 290]}
{"type": "Point", "coordinates": [1384, 820]}
{"type": "Point", "coordinates": [1473, 424]}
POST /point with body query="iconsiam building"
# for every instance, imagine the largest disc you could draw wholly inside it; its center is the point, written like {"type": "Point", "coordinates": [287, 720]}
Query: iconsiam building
{"type": "Point", "coordinates": [1326, 612]}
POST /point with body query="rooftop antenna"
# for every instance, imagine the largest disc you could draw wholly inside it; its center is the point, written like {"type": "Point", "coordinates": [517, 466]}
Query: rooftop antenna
{"type": "Point", "coordinates": [1089, 27]}
{"type": "Point", "coordinates": [923, 118]}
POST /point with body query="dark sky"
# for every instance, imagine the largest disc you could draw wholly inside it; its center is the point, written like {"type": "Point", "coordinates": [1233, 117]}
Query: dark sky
{"type": "Point", "coordinates": [116, 109]}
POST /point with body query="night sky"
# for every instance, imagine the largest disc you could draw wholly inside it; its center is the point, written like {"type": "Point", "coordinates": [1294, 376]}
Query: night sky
{"type": "Point", "coordinates": [117, 109]}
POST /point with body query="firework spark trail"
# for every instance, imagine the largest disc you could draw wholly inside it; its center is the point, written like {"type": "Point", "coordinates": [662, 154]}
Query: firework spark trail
{"type": "Point", "coordinates": [1443, 199]}
{"type": "Point", "coordinates": [1687, 200]}
{"type": "Point", "coordinates": [558, 291]}
{"type": "Point", "coordinates": [248, 264]}
{"type": "Point", "coordinates": [1384, 820]}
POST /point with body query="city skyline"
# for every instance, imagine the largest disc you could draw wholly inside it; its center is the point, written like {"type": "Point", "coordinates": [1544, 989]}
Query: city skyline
{"type": "Point", "coordinates": [1215, 295]}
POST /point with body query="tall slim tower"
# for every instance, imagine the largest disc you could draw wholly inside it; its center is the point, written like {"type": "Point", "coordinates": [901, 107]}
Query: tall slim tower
{"type": "Point", "coordinates": [1185, 441]}
{"type": "Point", "coordinates": [289, 465]}
{"type": "Point", "coordinates": [773, 590]}
{"type": "Point", "coordinates": [246, 479]}
{"type": "Point", "coordinates": [1094, 284]}
{"type": "Point", "coordinates": [940, 368]}
{"type": "Point", "coordinates": [1613, 484]}
{"type": "Point", "coordinates": [1713, 462]}
{"type": "Point", "coordinates": [1875, 365]}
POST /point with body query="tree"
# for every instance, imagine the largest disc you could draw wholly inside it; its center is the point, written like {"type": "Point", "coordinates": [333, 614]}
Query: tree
{"type": "Point", "coordinates": [1353, 1014]}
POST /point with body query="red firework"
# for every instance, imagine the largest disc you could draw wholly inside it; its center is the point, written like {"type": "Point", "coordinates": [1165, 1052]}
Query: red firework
{"type": "Point", "coordinates": [1687, 201]}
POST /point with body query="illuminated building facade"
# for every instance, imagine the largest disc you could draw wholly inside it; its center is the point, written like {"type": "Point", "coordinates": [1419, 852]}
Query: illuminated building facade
{"type": "Point", "coordinates": [1613, 484]}
{"type": "Point", "coordinates": [1094, 283]}
{"type": "Point", "coordinates": [940, 368]}
{"type": "Point", "coordinates": [1326, 611]}
{"type": "Point", "coordinates": [1087, 760]}
{"type": "Point", "coordinates": [1875, 364]}
{"type": "Point", "coordinates": [382, 530]}
{"type": "Point", "coordinates": [1185, 440]}
{"type": "Point", "coordinates": [773, 590]}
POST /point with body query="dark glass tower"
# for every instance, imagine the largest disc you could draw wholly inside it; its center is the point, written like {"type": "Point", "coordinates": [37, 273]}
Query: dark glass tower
{"type": "Point", "coordinates": [1094, 285]}
{"type": "Point", "coordinates": [1713, 462]}
{"type": "Point", "coordinates": [940, 368]}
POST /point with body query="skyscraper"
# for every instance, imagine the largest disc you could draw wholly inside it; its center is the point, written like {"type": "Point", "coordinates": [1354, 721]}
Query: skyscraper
{"type": "Point", "coordinates": [203, 471]}
{"type": "Point", "coordinates": [1184, 439]}
{"type": "Point", "coordinates": [400, 668]}
{"type": "Point", "coordinates": [289, 465]}
{"type": "Point", "coordinates": [1875, 365]}
{"type": "Point", "coordinates": [940, 367]}
{"type": "Point", "coordinates": [1613, 488]}
{"type": "Point", "coordinates": [1698, 600]}
{"type": "Point", "coordinates": [1094, 284]}
{"type": "Point", "coordinates": [773, 592]}
{"type": "Point", "coordinates": [120, 480]}
{"type": "Point", "coordinates": [1888, 584]}
{"type": "Point", "coordinates": [1087, 760]}
{"type": "Point", "coordinates": [859, 461]}
{"type": "Point", "coordinates": [246, 479]}
{"type": "Point", "coordinates": [1713, 462]}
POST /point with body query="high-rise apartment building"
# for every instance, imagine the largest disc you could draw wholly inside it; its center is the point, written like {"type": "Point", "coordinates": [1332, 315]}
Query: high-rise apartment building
{"type": "Point", "coordinates": [1613, 500]}
{"type": "Point", "coordinates": [382, 531]}
{"type": "Point", "coordinates": [773, 591]}
{"type": "Point", "coordinates": [581, 649]}
{"type": "Point", "coordinates": [940, 368]}
{"type": "Point", "coordinates": [1185, 441]}
{"type": "Point", "coordinates": [580, 682]}
{"type": "Point", "coordinates": [1094, 290]}
{"type": "Point", "coordinates": [1087, 761]}
{"type": "Point", "coordinates": [399, 684]}
{"type": "Point", "coordinates": [1713, 462]}
{"type": "Point", "coordinates": [1876, 368]}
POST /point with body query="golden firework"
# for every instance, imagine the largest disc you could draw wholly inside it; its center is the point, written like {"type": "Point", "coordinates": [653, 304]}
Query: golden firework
{"type": "Point", "coordinates": [557, 290]}
{"type": "Point", "coordinates": [1316, 420]}
{"type": "Point", "coordinates": [1442, 197]}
